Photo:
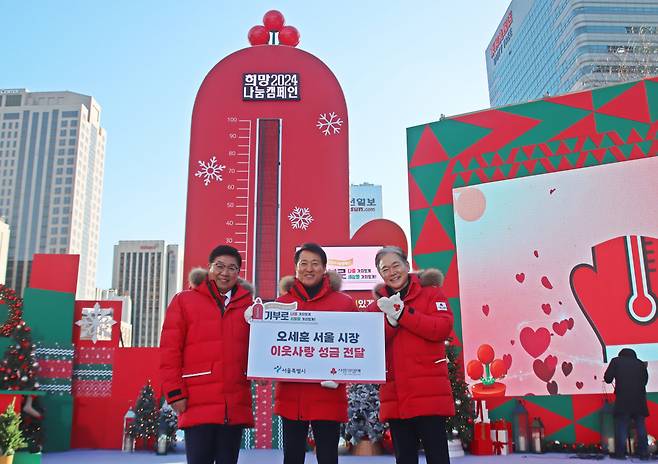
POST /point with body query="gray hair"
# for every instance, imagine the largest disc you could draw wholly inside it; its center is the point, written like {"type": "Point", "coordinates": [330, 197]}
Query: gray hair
{"type": "Point", "coordinates": [390, 249]}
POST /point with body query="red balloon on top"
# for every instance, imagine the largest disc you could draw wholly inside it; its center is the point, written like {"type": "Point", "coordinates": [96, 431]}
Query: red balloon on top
{"type": "Point", "coordinates": [485, 353]}
{"type": "Point", "coordinates": [258, 35]}
{"type": "Point", "coordinates": [289, 35]}
{"type": "Point", "coordinates": [273, 20]}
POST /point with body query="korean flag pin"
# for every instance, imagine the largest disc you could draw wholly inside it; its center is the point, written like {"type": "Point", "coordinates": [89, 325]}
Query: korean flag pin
{"type": "Point", "coordinates": [441, 306]}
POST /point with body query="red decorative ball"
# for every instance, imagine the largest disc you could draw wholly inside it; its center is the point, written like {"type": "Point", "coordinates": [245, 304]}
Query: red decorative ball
{"type": "Point", "coordinates": [21, 357]}
{"type": "Point", "coordinates": [289, 35]}
{"type": "Point", "coordinates": [475, 369]}
{"type": "Point", "coordinates": [486, 353]}
{"type": "Point", "coordinates": [273, 20]}
{"type": "Point", "coordinates": [498, 368]}
{"type": "Point", "coordinates": [258, 35]}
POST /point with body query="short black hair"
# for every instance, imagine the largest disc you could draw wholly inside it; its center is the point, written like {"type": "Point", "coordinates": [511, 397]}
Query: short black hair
{"type": "Point", "coordinates": [225, 250]}
{"type": "Point", "coordinates": [313, 248]}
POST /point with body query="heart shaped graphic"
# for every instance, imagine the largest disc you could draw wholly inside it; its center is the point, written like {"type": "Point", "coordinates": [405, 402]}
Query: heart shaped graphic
{"type": "Point", "coordinates": [546, 307]}
{"type": "Point", "coordinates": [520, 277]}
{"type": "Point", "coordinates": [485, 309]}
{"type": "Point", "coordinates": [511, 342]}
{"type": "Point", "coordinates": [396, 306]}
{"type": "Point", "coordinates": [567, 367]}
{"type": "Point", "coordinates": [507, 359]}
{"type": "Point", "coordinates": [545, 369]}
{"type": "Point", "coordinates": [570, 323]}
{"type": "Point", "coordinates": [552, 387]}
{"type": "Point", "coordinates": [535, 342]}
{"type": "Point", "coordinates": [546, 283]}
{"type": "Point", "coordinates": [561, 327]}
{"type": "Point", "coordinates": [579, 385]}
{"type": "Point", "coordinates": [536, 253]}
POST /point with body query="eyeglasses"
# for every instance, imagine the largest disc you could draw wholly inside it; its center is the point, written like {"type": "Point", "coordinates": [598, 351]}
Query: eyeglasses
{"type": "Point", "coordinates": [221, 267]}
{"type": "Point", "coordinates": [395, 267]}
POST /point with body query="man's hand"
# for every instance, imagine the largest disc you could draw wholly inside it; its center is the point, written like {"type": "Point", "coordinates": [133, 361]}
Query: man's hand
{"type": "Point", "coordinates": [329, 384]}
{"type": "Point", "coordinates": [179, 406]}
{"type": "Point", "coordinates": [249, 314]}
{"type": "Point", "coordinates": [392, 307]}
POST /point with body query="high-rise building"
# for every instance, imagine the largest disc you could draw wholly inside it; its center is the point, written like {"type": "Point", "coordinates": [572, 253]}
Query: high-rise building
{"type": "Point", "coordinates": [174, 271]}
{"type": "Point", "coordinates": [52, 154]}
{"type": "Point", "coordinates": [141, 270]}
{"type": "Point", "coordinates": [4, 248]}
{"type": "Point", "coordinates": [365, 204]}
{"type": "Point", "coordinates": [553, 47]}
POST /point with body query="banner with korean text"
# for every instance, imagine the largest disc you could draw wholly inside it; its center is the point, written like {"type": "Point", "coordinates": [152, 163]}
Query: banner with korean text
{"type": "Point", "coordinates": [312, 346]}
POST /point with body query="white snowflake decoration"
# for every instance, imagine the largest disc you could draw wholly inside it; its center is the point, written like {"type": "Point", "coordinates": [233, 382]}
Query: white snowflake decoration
{"type": "Point", "coordinates": [96, 323]}
{"type": "Point", "coordinates": [210, 171]}
{"type": "Point", "coordinates": [329, 125]}
{"type": "Point", "coordinates": [300, 218]}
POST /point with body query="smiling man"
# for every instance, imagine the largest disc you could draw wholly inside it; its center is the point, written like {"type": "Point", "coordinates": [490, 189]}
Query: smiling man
{"type": "Point", "coordinates": [324, 404]}
{"type": "Point", "coordinates": [203, 359]}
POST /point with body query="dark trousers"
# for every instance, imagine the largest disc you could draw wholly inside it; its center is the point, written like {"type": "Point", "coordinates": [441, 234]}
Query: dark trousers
{"type": "Point", "coordinates": [325, 434]}
{"type": "Point", "coordinates": [213, 444]}
{"type": "Point", "coordinates": [622, 421]}
{"type": "Point", "coordinates": [430, 431]}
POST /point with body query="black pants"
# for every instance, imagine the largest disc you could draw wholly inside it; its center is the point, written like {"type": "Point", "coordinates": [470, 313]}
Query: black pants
{"type": "Point", "coordinates": [213, 443]}
{"type": "Point", "coordinates": [325, 433]}
{"type": "Point", "coordinates": [622, 421]}
{"type": "Point", "coordinates": [429, 430]}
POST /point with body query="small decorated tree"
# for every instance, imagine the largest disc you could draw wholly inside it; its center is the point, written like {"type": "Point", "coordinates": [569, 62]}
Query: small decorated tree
{"type": "Point", "coordinates": [18, 367]}
{"type": "Point", "coordinates": [11, 438]}
{"type": "Point", "coordinates": [147, 416]}
{"type": "Point", "coordinates": [168, 424]}
{"type": "Point", "coordinates": [363, 412]}
{"type": "Point", "coordinates": [461, 424]}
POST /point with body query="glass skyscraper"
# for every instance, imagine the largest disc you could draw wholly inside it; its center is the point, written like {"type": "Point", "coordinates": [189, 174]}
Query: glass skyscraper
{"type": "Point", "coordinates": [551, 47]}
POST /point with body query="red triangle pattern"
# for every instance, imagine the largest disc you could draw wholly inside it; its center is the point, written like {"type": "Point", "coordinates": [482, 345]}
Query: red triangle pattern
{"type": "Point", "coordinates": [497, 175]}
{"type": "Point", "coordinates": [563, 149]}
{"type": "Point", "coordinates": [584, 405]}
{"type": "Point", "coordinates": [528, 149]}
{"type": "Point", "coordinates": [432, 237]}
{"type": "Point", "coordinates": [599, 153]}
{"type": "Point", "coordinates": [512, 155]}
{"type": "Point", "coordinates": [564, 164]}
{"type": "Point", "coordinates": [429, 150]}
{"type": "Point", "coordinates": [416, 198]}
{"type": "Point", "coordinates": [654, 148]}
{"type": "Point", "coordinates": [451, 283]}
{"type": "Point", "coordinates": [634, 137]}
{"type": "Point", "coordinates": [582, 100]}
{"type": "Point", "coordinates": [636, 153]}
{"type": "Point", "coordinates": [653, 130]}
{"type": "Point", "coordinates": [616, 139]}
{"type": "Point", "coordinates": [552, 422]}
{"type": "Point", "coordinates": [530, 165]}
{"type": "Point", "coordinates": [631, 104]}
{"type": "Point", "coordinates": [586, 435]}
{"type": "Point", "coordinates": [546, 149]}
{"type": "Point", "coordinates": [444, 191]}
{"type": "Point", "coordinates": [585, 126]}
{"type": "Point", "coordinates": [497, 160]}
{"type": "Point", "coordinates": [547, 164]}
{"type": "Point", "coordinates": [505, 128]}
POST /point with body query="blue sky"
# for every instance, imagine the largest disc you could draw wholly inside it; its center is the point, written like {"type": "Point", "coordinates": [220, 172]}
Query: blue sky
{"type": "Point", "coordinates": [400, 64]}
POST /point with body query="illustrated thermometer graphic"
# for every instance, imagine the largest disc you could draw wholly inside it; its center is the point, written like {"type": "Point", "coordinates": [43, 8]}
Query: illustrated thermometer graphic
{"type": "Point", "coordinates": [641, 304]}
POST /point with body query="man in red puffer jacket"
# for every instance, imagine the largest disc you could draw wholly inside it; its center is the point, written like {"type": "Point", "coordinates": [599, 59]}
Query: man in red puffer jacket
{"type": "Point", "coordinates": [203, 360]}
{"type": "Point", "coordinates": [322, 404]}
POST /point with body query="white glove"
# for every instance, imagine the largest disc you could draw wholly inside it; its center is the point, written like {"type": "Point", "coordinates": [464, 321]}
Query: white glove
{"type": "Point", "coordinates": [329, 384]}
{"type": "Point", "coordinates": [249, 314]}
{"type": "Point", "coordinates": [391, 306]}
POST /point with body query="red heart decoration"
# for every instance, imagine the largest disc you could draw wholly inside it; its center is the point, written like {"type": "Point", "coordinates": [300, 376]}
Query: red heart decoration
{"type": "Point", "coordinates": [511, 342]}
{"type": "Point", "coordinates": [552, 387]}
{"type": "Point", "coordinates": [546, 307]}
{"type": "Point", "coordinates": [520, 278]}
{"type": "Point", "coordinates": [396, 306]}
{"type": "Point", "coordinates": [545, 369]}
{"type": "Point", "coordinates": [567, 367]}
{"type": "Point", "coordinates": [570, 323]}
{"type": "Point", "coordinates": [546, 283]}
{"type": "Point", "coordinates": [485, 309]}
{"type": "Point", "coordinates": [561, 327]}
{"type": "Point", "coordinates": [536, 253]}
{"type": "Point", "coordinates": [579, 385]}
{"type": "Point", "coordinates": [535, 342]}
{"type": "Point", "coordinates": [507, 359]}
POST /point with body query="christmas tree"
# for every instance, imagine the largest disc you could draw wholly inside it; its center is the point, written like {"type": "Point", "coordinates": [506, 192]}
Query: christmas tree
{"type": "Point", "coordinates": [363, 412]}
{"type": "Point", "coordinates": [18, 367]}
{"type": "Point", "coordinates": [11, 438]}
{"type": "Point", "coordinates": [461, 424]}
{"type": "Point", "coordinates": [168, 424]}
{"type": "Point", "coordinates": [147, 416]}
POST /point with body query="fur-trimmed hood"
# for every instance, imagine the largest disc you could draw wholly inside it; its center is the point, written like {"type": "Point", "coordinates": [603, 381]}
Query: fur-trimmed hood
{"type": "Point", "coordinates": [335, 282]}
{"type": "Point", "coordinates": [198, 274]}
{"type": "Point", "coordinates": [428, 278]}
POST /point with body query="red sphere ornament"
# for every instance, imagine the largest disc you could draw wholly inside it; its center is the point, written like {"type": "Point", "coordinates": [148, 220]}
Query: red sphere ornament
{"type": "Point", "coordinates": [289, 35]}
{"type": "Point", "coordinates": [486, 353]}
{"type": "Point", "coordinates": [273, 20]}
{"type": "Point", "coordinates": [258, 35]}
{"type": "Point", "coordinates": [498, 368]}
{"type": "Point", "coordinates": [475, 369]}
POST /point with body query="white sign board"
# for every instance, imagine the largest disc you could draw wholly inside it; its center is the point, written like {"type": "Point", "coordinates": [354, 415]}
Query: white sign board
{"type": "Point", "coordinates": [312, 346]}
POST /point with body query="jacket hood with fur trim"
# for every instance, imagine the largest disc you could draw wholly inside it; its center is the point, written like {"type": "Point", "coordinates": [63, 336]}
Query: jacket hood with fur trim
{"type": "Point", "coordinates": [428, 278]}
{"type": "Point", "coordinates": [198, 274]}
{"type": "Point", "coordinates": [335, 282]}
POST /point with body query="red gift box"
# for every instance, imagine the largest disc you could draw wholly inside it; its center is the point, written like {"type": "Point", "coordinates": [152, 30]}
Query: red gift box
{"type": "Point", "coordinates": [482, 444]}
{"type": "Point", "coordinates": [501, 436]}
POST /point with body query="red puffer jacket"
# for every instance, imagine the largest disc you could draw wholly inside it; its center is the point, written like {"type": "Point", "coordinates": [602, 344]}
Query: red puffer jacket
{"type": "Point", "coordinates": [310, 401]}
{"type": "Point", "coordinates": [203, 355]}
{"type": "Point", "coordinates": [417, 382]}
